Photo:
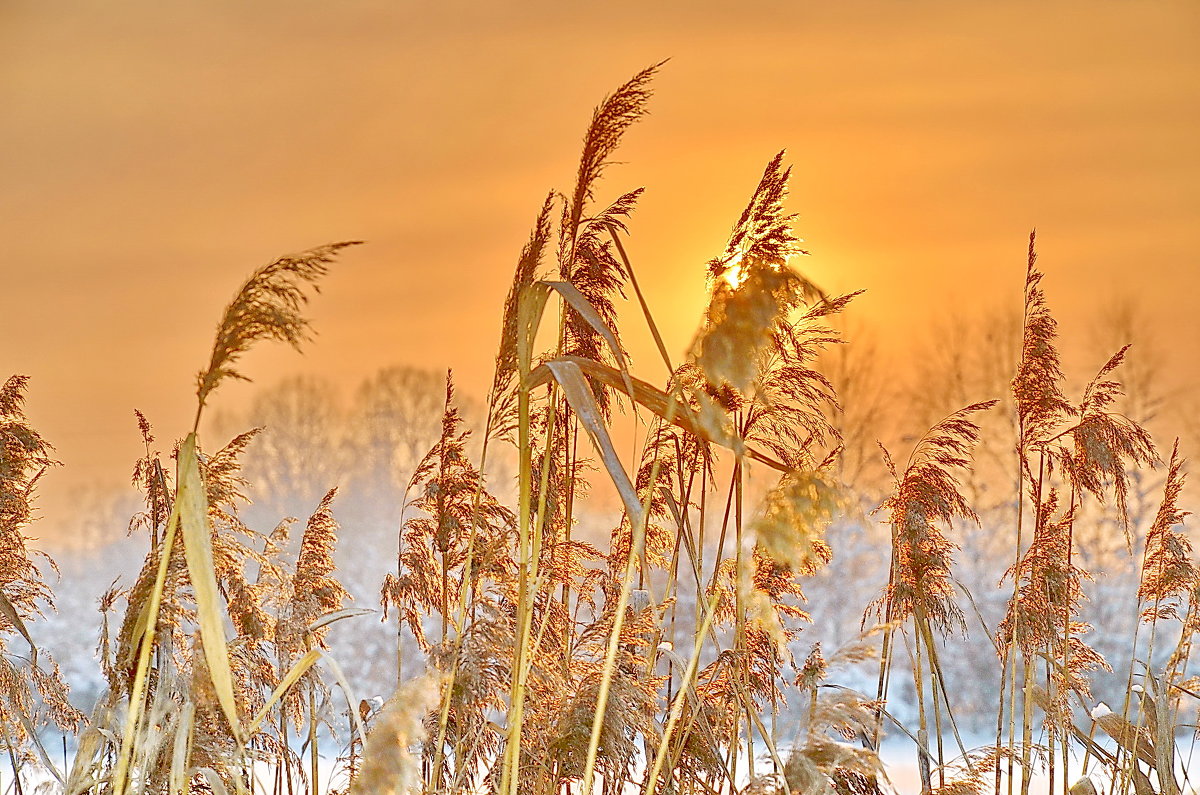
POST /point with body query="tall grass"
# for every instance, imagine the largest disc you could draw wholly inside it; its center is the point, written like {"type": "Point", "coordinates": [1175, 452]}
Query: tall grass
{"type": "Point", "coordinates": [657, 659]}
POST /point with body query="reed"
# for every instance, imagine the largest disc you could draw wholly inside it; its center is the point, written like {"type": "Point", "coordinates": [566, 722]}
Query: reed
{"type": "Point", "coordinates": [664, 656]}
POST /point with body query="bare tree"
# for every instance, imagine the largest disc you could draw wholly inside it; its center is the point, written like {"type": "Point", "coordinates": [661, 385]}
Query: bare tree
{"type": "Point", "coordinates": [300, 451]}
{"type": "Point", "coordinates": [394, 419]}
{"type": "Point", "coordinates": [865, 388]}
{"type": "Point", "coordinates": [967, 359]}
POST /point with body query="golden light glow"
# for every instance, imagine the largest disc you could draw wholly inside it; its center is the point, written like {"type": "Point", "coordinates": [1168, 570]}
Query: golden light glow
{"type": "Point", "coordinates": [735, 274]}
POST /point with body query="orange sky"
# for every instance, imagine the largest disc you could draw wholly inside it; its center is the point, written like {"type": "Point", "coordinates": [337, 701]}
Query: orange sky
{"type": "Point", "coordinates": [155, 153]}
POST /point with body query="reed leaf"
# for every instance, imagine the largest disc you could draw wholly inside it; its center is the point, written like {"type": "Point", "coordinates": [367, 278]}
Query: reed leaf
{"type": "Point", "coordinates": [668, 407]}
{"type": "Point", "coordinates": [584, 308]}
{"type": "Point", "coordinates": [569, 376]}
{"type": "Point", "coordinates": [293, 675]}
{"type": "Point", "coordinates": [10, 614]}
{"type": "Point", "coordinates": [197, 548]}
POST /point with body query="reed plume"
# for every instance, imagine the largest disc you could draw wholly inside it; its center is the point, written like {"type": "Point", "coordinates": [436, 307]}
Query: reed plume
{"type": "Point", "coordinates": [823, 760]}
{"type": "Point", "coordinates": [753, 287]}
{"type": "Point", "coordinates": [24, 457]}
{"type": "Point", "coordinates": [1037, 386]}
{"type": "Point", "coordinates": [788, 416]}
{"type": "Point", "coordinates": [763, 233]}
{"type": "Point", "coordinates": [585, 256]}
{"type": "Point", "coordinates": [927, 496]}
{"type": "Point", "coordinates": [266, 307]}
{"type": "Point", "coordinates": [390, 765]}
{"type": "Point", "coordinates": [315, 592]}
{"type": "Point", "coordinates": [1040, 621]}
{"type": "Point", "coordinates": [1169, 573]}
{"type": "Point", "coordinates": [1106, 443]}
{"type": "Point", "coordinates": [502, 411]}
{"type": "Point", "coordinates": [1041, 409]}
{"type": "Point", "coordinates": [457, 518]}
{"type": "Point", "coordinates": [790, 529]}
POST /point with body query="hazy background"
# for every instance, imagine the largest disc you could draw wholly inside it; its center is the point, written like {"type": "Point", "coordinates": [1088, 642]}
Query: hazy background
{"type": "Point", "coordinates": [153, 154]}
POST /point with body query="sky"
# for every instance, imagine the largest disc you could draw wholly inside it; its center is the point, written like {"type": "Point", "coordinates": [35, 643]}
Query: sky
{"type": "Point", "coordinates": [154, 154]}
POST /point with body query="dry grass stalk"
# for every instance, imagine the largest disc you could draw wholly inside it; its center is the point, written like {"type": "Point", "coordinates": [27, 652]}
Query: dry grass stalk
{"type": "Point", "coordinates": [920, 586]}
{"type": "Point", "coordinates": [1097, 447]}
{"type": "Point", "coordinates": [1041, 408]}
{"type": "Point", "coordinates": [201, 528]}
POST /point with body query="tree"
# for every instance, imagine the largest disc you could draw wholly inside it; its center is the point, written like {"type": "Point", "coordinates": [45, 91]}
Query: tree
{"type": "Point", "coordinates": [300, 451]}
{"type": "Point", "coordinates": [392, 423]}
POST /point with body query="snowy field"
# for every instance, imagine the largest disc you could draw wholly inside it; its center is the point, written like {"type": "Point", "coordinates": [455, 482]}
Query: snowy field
{"type": "Point", "coordinates": [897, 753]}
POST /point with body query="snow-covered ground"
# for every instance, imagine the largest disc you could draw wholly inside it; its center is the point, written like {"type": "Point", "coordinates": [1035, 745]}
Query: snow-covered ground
{"type": "Point", "coordinates": [899, 757]}
{"type": "Point", "coordinates": [897, 753]}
